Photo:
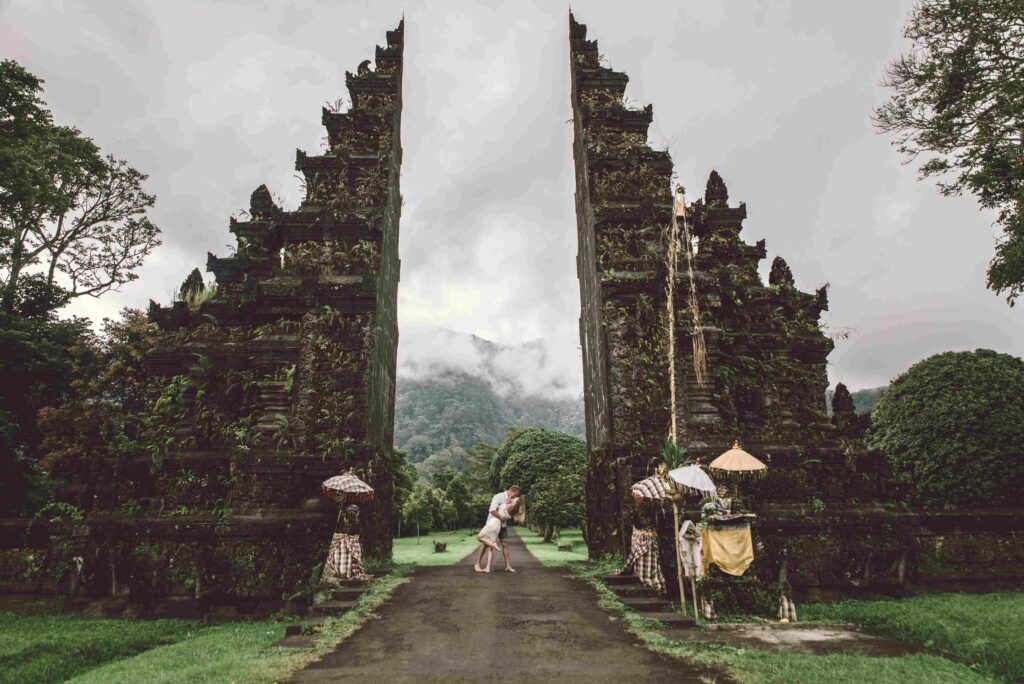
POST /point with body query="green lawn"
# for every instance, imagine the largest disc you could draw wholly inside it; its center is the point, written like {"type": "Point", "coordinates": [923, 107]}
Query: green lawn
{"type": "Point", "coordinates": [983, 630]}
{"type": "Point", "coordinates": [41, 649]}
{"type": "Point", "coordinates": [421, 551]}
{"type": "Point", "coordinates": [755, 666]}
{"type": "Point", "coordinates": [51, 648]}
{"type": "Point", "coordinates": [547, 554]}
{"type": "Point", "coordinates": [231, 652]}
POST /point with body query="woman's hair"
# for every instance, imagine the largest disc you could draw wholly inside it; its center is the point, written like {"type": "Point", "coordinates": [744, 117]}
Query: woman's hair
{"type": "Point", "coordinates": [518, 510]}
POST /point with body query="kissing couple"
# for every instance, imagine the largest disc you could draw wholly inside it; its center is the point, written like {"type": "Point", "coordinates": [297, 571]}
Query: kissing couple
{"type": "Point", "coordinates": [505, 506]}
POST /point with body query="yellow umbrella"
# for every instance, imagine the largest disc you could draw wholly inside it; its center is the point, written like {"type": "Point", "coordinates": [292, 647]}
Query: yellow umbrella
{"type": "Point", "coordinates": [738, 462]}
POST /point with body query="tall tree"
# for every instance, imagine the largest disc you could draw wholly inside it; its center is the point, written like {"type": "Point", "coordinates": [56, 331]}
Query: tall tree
{"type": "Point", "coordinates": [68, 215]}
{"type": "Point", "coordinates": [478, 470]}
{"type": "Point", "coordinates": [418, 509]}
{"type": "Point", "coordinates": [958, 103]}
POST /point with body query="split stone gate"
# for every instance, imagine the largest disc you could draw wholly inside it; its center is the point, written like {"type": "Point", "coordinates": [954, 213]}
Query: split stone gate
{"type": "Point", "coordinates": [286, 375]}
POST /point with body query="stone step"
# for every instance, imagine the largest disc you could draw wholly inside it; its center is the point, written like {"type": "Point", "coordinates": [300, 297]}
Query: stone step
{"type": "Point", "coordinates": [344, 583]}
{"type": "Point", "coordinates": [307, 626]}
{"type": "Point", "coordinates": [333, 608]}
{"type": "Point", "coordinates": [348, 593]}
{"type": "Point", "coordinates": [645, 604]}
{"type": "Point", "coordinates": [630, 590]}
{"type": "Point", "coordinates": [619, 579]}
{"type": "Point", "coordinates": [672, 620]}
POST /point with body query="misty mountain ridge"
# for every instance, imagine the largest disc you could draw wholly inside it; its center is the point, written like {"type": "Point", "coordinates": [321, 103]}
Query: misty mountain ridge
{"type": "Point", "coordinates": [527, 369]}
{"type": "Point", "coordinates": [455, 390]}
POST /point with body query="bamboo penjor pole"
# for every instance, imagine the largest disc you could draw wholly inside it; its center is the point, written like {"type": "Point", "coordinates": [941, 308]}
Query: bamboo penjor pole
{"type": "Point", "coordinates": [673, 260]}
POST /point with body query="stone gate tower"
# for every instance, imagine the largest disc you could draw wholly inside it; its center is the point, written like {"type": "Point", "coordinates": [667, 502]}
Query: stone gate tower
{"type": "Point", "coordinates": [765, 354]}
{"type": "Point", "coordinates": [260, 387]}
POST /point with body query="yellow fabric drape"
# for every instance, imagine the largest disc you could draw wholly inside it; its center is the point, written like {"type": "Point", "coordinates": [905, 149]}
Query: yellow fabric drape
{"type": "Point", "coordinates": [730, 550]}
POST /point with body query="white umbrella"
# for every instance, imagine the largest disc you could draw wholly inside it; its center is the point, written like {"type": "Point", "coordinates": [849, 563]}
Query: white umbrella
{"type": "Point", "coordinates": [693, 478]}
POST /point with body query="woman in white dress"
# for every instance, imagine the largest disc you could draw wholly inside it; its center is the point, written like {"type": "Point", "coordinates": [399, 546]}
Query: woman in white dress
{"type": "Point", "coordinates": [489, 533]}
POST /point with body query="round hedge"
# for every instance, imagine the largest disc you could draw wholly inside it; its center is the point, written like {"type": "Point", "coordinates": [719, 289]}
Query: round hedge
{"type": "Point", "coordinates": [953, 427]}
{"type": "Point", "coordinates": [535, 454]}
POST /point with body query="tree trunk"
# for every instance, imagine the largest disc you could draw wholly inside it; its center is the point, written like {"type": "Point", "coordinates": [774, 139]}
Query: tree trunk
{"type": "Point", "coordinates": [11, 288]}
{"type": "Point", "coordinates": [417, 533]}
{"type": "Point", "coordinates": [548, 531]}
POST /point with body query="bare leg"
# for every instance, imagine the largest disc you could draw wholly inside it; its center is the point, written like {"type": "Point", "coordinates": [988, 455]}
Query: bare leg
{"type": "Point", "coordinates": [479, 557]}
{"type": "Point", "coordinates": [490, 555]}
{"type": "Point", "coordinates": [508, 557]}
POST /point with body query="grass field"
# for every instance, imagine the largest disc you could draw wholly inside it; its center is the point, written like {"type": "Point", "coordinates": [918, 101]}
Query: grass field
{"type": "Point", "coordinates": [547, 553]}
{"type": "Point", "coordinates": [421, 552]}
{"type": "Point", "coordinates": [754, 666]}
{"type": "Point", "coordinates": [43, 649]}
{"type": "Point", "coordinates": [985, 631]}
{"type": "Point", "coordinates": [53, 648]}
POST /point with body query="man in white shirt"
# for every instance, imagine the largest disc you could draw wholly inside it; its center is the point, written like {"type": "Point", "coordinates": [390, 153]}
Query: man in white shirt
{"type": "Point", "coordinates": [502, 498]}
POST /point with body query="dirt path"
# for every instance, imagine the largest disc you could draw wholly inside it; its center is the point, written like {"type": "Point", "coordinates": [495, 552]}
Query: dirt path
{"type": "Point", "coordinates": [451, 624]}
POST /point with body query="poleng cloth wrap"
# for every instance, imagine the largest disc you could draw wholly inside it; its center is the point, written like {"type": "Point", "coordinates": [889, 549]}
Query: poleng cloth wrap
{"type": "Point", "coordinates": [732, 550]}
{"type": "Point", "coordinates": [643, 559]}
{"type": "Point", "coordinates": [344, 559]}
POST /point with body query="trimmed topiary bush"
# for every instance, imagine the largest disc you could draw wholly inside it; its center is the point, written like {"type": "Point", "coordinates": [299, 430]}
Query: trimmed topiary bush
{"type": "Point", "coordinates": [535, 455]}
{"type": "Point", "coordinates": [952, 427]}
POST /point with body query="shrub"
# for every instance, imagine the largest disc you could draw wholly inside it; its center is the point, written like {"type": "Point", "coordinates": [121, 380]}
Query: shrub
{"type": "Point", "coordinates": [953, 427]}
{"type": "Point", "coordinates": [560, 500]}
{"type": "Point", "coordinates": [536, 455]}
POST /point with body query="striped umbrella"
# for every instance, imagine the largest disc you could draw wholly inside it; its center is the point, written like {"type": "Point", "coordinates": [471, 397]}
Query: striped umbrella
{"type": "Point", "coordinates": [653, 488]}
{"type": "Point", "coordinates": [347, 488]}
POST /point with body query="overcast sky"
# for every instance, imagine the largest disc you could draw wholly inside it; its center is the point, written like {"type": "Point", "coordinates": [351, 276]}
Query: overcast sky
{"type": "Point", "coordinates": [212, 98]}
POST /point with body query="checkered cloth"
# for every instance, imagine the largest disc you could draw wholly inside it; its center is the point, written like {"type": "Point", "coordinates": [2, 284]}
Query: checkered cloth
{"type": "Point", "coordinates": [344, 559]}
{"type": "Point", "coordinates": [643, 559]}
{"type": "Point", "coordinates": [651, 488]}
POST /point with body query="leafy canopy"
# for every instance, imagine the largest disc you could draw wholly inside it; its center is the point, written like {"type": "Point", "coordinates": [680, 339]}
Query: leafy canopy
{"type": "Point", "coordinates": [953, 428]}
{"type": "Point", "coordinates": [535, 455]}
{"type": "Point", "coordinates": [560, 501]}
{"type": "Point", "coordinates": [958, 100]}
{"type": "Point", "coordinates": [72, 222]}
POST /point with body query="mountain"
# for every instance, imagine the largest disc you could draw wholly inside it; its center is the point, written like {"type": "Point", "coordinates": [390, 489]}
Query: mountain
{"type": "Point", "coordinates": [455, 390]}
{"type": "Point", "coordinates": [863, 400]}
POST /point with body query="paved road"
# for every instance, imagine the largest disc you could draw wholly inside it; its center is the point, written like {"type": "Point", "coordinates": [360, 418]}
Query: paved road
{"type": "Point", "coordinates": [450, 624]}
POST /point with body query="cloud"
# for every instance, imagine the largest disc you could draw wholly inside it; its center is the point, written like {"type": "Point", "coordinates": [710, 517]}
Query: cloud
{"type": "Point", "coordinates": [529, 369]}
{"type": "Point", "coordinates": [212, 98]}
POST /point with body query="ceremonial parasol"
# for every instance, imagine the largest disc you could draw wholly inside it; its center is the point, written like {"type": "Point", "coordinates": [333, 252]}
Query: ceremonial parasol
{"type": "Point", "coordinates": [693, 478]}
{"type": "Point", "coordinates": [736, 463]}
{"type": "Point", "coordinates": [347, 488]}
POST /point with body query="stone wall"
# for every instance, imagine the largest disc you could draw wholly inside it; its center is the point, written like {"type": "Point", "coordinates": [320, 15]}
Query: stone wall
{"type": "Point", "coordinates": [281, 377]}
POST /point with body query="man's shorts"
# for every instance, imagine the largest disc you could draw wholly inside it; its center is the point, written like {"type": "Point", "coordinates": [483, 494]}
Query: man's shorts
{"type": "Point", "coordinates": [503, 534]}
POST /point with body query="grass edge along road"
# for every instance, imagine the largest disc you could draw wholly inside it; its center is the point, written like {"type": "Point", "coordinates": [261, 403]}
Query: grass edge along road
{"type": "Point", "coordinates": [421, 551]}
{"type": "Point", "coordinates": [233, 651]}
{"type": "Point", "coordinates": [753, 666]}
{"type": "Point", "coordinates": [548, 554]}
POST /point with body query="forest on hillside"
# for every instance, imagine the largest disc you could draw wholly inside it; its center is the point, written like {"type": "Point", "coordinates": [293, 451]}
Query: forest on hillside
{"type": "Point", "coordinates": [439, 418]}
